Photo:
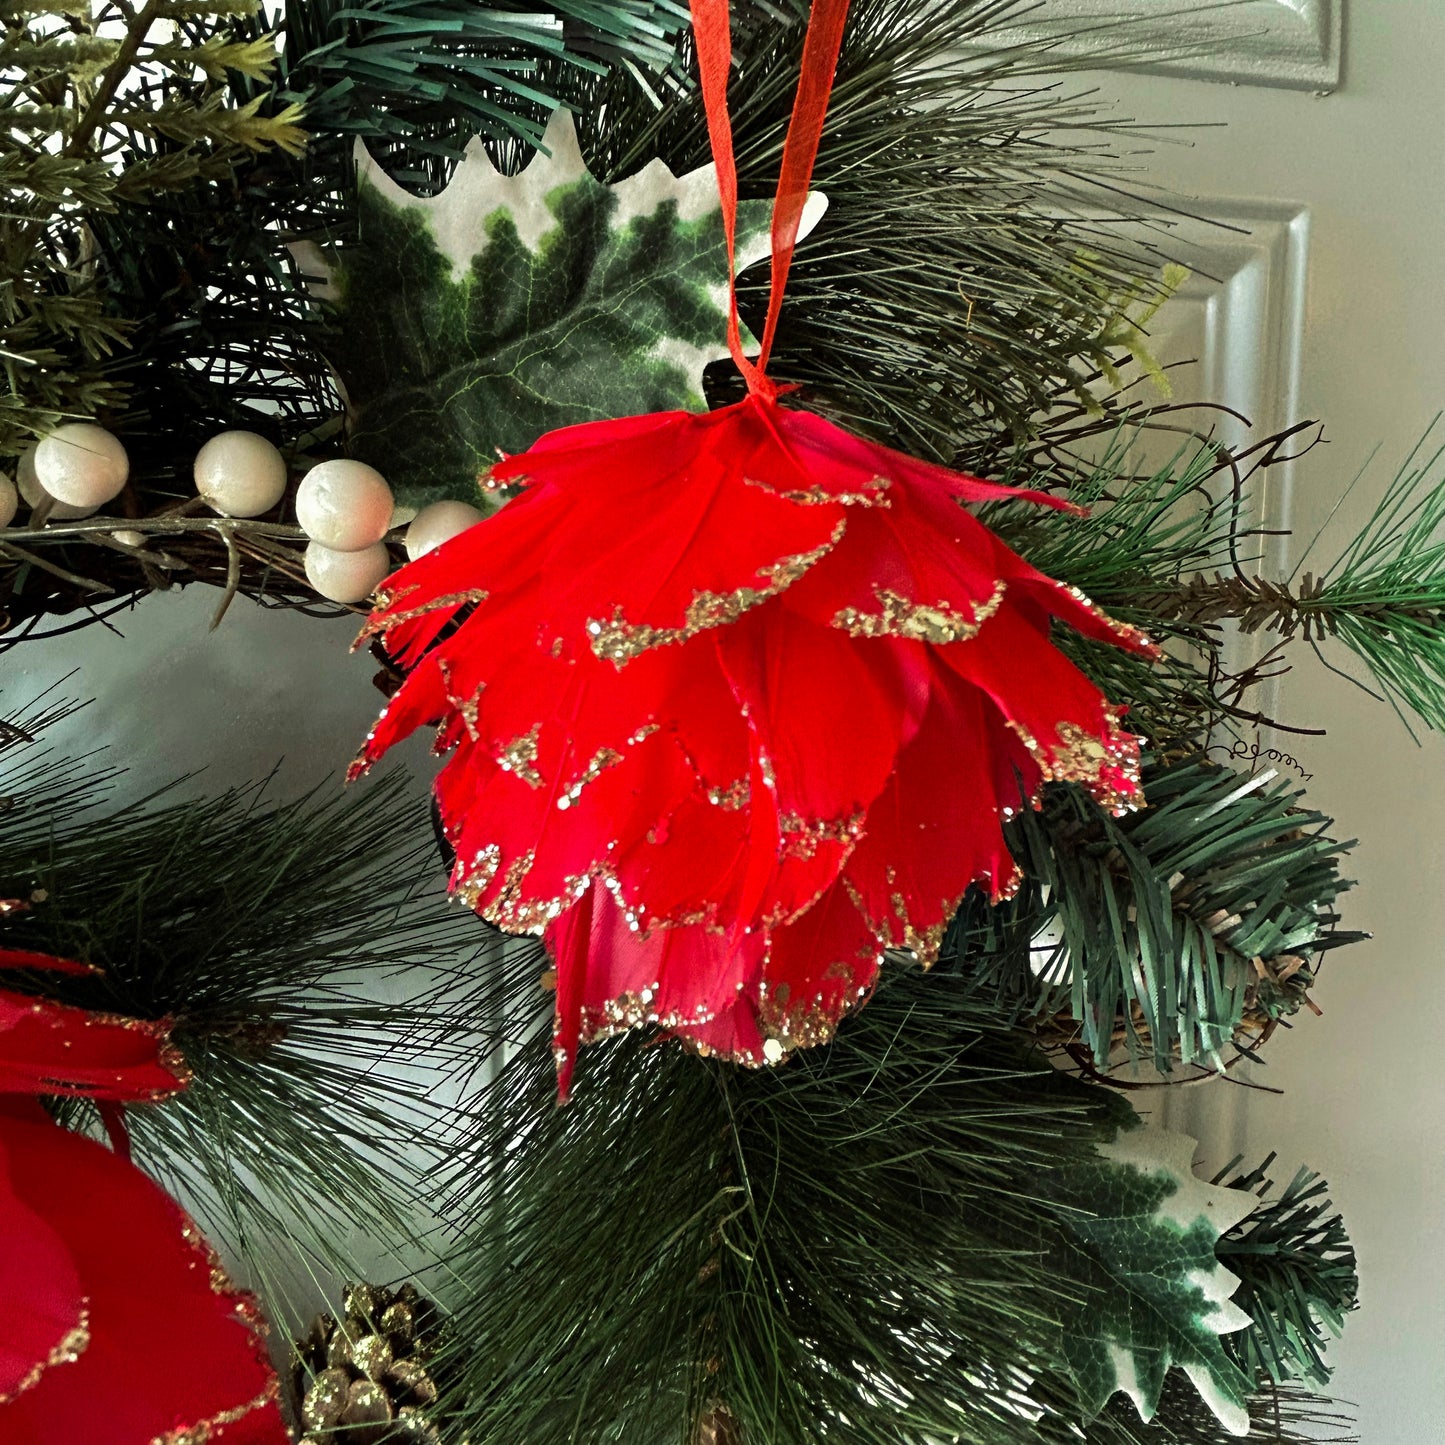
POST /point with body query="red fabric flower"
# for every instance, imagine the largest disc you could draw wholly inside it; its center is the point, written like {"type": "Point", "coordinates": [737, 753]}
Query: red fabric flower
{"type": "Point", "coordinates": [119, 1326]}
{"type": "Point", "coordinates": [735, 702]}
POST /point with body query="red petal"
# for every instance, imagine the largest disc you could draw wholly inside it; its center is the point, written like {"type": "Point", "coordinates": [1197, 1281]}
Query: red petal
{"type": "Point", "coordinates": [51, 1048]}
{"type": "Point", "coordinates": [828, 715]}
{"type": "Point", "coordinates": [42, 1323]}
{"type": "Point", "coordinates": [818, 969]}
{"type": "Point", "coordinates": [173, 1347]}
{"type": "Point", "coordinates": [611, 977]}
{"type": "Point", "coordinates": [935, 830]}
{"type": "Point", "coordinates": [44, 962]}
{"type": "Point", "coordinates": [1070, 732]}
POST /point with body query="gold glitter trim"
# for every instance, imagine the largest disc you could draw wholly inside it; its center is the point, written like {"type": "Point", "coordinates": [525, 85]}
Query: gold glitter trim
{"type": "Point", "coordinates": [602, 759]}
{"type": "Point", "coordinates": [631, 1010]}
{"type": "Point", "coordinates": [873, 494]}
{"type": "Point", "coordinates": [1122, 630]}
{"type": "Point", "coordinates": [204, 1430]}
{"type": "Point", "coordinates": [520, 757]}
{"type": "Point", "coordinates": [382, 621]}
{"type": "Point", "coordinates": [65, 1351]}
{"type": "Point", "coordinates": [734, 797]}
{"type": "Point", "coordinates": [918, 621]}
{"type": "Point", "coordinates": [466, 708]}
{"type": "Point", "coordinates": [513, 913]}
{"type": "Point", "coordinates": [477, 877]}
{"type": "Point", "coordinates": [1080, 756]}
{"type": "Point", "coordinates": [618, 641]}
{"type": "Point", "coordinates": [802, 837]}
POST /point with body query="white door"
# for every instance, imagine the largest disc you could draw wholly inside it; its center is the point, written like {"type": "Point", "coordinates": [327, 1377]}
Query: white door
{"type": "Point", "coordinates": [1334, 308]}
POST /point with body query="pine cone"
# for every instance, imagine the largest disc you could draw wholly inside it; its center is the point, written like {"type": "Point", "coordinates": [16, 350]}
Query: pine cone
{"type": "Point", "coordinates": [366, 1378]}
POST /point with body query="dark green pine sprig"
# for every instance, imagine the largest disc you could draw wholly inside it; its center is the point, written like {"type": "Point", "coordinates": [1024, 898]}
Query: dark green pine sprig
{"type": "Point", "coordinates": [1382, 599]}
{"type": "Point", "coordinates": [288, 942]}
{"type": "Point", "coordinates": [1297, 1276]}
{"type": "Point", "coordinates": [417, 79]}
{"type": "Point", "coordinates": [1179, 933]}
{"type": "Point", "coordinates": [880, 1234]}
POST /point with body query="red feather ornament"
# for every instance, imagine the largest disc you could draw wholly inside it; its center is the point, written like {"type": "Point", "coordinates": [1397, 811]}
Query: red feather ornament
{"type": "Point", "coordinates": [119, 1324]}
{"type": "Point", "coordinates": [737, 701]}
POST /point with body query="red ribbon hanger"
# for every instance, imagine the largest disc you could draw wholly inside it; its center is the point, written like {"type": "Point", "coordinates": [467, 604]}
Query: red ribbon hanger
{"type": "Point", "coordinates": [824, 39]}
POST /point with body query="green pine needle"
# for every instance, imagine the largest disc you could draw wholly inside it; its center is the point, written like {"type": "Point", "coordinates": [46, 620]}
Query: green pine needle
{"type": "Point", "coordinates": [1298, 1279]}
{"type": "Point", "coordinates": [1179, 932]}
{"type": "Point", "coordinates": [272, 934]}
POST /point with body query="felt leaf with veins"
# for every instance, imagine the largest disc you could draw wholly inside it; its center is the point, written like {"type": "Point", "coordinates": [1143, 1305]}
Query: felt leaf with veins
{"type": "Point", "coordinates": [475, 320]}
{"type": "Point", "coordinates": [1143, 1230]}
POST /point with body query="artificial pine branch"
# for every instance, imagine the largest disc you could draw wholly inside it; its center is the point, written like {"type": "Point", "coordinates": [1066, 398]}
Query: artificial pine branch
{"type": "Point", "coordinates": [271, 935]}
{"type": "Point", "coordinates": [417, 79]}
{"type": "Point", "coordinates": [72, 135]}
{"type": "Point", "coordinates": [881, 1232]}
{"type": "Point", "coordinates": [1297, 1271]}
{"type": "Point", "coordinates": [1182, 932]}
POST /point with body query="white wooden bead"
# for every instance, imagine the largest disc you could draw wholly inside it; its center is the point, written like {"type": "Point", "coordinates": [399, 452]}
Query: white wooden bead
{"type": "Point", "coordinates": [438, 523]}
{"type": "Point", "coordinates": [9, 501]}
{"type": "Point", "coordinates": [347, 576]}
{"type": "Point", "coordinates": [344, 505]}
{"type": "Point", "coordinates": [240, 474]}
{"type": "Point", "coordinates": [32, 492]}
{"type": "Point", "coordinates": [82, 465]}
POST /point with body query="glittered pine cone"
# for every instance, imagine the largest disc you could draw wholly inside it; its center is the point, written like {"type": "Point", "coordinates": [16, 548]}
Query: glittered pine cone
{"type": "Point", "coordinates": [735, 703]}
{"type": "Point", "coordinates": [366, 1378]}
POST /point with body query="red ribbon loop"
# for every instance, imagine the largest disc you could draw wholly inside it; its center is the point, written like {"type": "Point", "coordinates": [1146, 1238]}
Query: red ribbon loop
{"type": "Point", "coordinates": [824, 39]}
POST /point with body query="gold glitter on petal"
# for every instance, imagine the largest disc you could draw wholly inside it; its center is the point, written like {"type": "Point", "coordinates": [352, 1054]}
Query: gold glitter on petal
{"type": "Point", "coordinates": [734, 797]}
{"type": "Point", "coordinates": [205, 1430]}
{"type": "Point", "coordinates": [65, 1351]}
{"type": "Point", "coordinates": [477, 877]}
{"type": "Point", "coordinates": [381, 621]}
{"type": "Point", "coordinates": [1122, 630]}
{"type": "Point", "coordinates": [520, 757]}
{"type": "Point", "coordinates": [937, 623]}
{"type": "Point", "coordinates": [618, 641]}
{"type": "Point", "coordinates": [466, 708]}
{"type": "Point", "coordinates": [602, 759]}
{"type": "Point", "coordinates": [1108, 767]}
{"type": "Point", "coordinates": [874, 494]}
{"type": "Point", "coordinates": [802, 837]}
{"type": "Point", "coordinates": [516, 913]}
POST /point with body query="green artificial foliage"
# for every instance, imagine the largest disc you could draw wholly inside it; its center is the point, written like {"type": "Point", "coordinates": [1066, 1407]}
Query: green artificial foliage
{"type": "Point", "coordinates": [417, 79]}
{"type": "Point", "coordinates": [915, 1229]}
{"type": "Point", "coordinates": [105, 106]}
{"type": "Point", "coordinates": [1297, 1275]}
{"type": "Point", "coordinates": [1149, 1229]}
{"type": "Point", "coordinates": [1178, 932]}
{"type": "Point", "coordinates": [450, 357]}
{"type": "Point", "coordinates": [958, 278]}
{"type": "Point", "coordinates": [968, 268]}
{"type": "Point", "coordinates": [1383, 598]}
{"type": "Point", "coordinates": [267, 932]}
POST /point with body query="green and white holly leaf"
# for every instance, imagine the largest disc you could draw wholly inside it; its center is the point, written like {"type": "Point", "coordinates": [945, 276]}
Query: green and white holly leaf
{"type": "Point", "coordinates": [473, 321]}
{"type": "Point", "coordinates": [1143, 1229]}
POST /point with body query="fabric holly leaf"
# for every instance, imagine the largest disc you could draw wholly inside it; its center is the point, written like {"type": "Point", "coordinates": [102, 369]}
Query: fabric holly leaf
{"type": "Point", "coordinates": [475, 320]}
{"type": "Point", "coordinates": [1144, 1229]}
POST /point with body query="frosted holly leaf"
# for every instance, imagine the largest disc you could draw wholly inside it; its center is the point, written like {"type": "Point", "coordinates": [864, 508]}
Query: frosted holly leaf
{"type": "Point", "coordinates": [1149, 1228]}
{"type": "Point", "coordinates": [475, 320]}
